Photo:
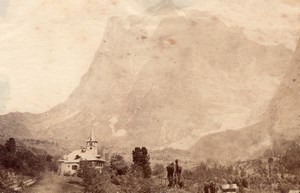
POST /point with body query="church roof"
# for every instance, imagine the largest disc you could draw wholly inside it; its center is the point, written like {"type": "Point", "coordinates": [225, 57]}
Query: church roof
{"type": "Point", "coordinates": [79, 155]}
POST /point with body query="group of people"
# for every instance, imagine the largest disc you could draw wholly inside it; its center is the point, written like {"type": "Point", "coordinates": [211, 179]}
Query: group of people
{"type": "Point", "coordinates": [174, 174]}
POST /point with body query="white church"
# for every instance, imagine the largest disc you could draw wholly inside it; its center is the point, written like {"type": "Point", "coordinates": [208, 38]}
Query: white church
{"type": "Point", "coordinates": [70, 164]}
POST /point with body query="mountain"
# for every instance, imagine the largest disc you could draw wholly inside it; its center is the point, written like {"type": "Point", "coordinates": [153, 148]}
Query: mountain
{"type": "Point", "coordinates": [232, 145]}
{"type": "Point", "coordinates": [163, 8]}
{"type": "Point", "coordinates": [13, 124]}
{"type": "Point", "coordinates": [279, 123]}
{"type": "Point", "coordinates": [284, 112]}
{"type": "Point", "coordinates": [163, 80]}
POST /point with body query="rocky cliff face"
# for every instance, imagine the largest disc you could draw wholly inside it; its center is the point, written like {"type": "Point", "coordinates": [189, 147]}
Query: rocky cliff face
{"type": "Point", "coordinates": [284, 112]}
{"type": "Point", "coordinates": [280, 122]}
{"type": "Point", "coordinates": [165, 80]}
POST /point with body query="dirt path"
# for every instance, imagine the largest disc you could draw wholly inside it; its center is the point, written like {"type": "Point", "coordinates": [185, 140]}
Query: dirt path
{"type": "Point", "coordinates": [52, 183]}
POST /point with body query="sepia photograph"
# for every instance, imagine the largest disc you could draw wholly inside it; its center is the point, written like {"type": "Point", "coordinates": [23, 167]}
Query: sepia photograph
{"type": "Point", "coordinates": [149, 96]}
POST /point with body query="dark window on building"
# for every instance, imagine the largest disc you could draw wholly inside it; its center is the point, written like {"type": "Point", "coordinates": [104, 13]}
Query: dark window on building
{"type": "Point", "coordinates": [74, 167]}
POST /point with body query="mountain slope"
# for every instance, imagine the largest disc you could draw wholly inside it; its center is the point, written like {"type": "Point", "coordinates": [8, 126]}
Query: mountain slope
{"type": "Point", "coordinates": [280, 122]}
{"type": "Point", "coordinates": [166, 84]}
{"type": "Point", "coordinates": [284, 109]}
{"type": "Point", "coordinates": [233, 145]}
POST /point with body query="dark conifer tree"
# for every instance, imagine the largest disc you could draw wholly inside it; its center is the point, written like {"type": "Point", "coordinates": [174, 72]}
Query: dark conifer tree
{"type": "Point", "coordinates": [141, 161]}
{"type": "Point", "coordinates": [10, 145]}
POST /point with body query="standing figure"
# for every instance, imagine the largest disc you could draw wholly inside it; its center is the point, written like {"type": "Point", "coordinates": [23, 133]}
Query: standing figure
{"type": "Point", "coordinates": [178, 177]}
{"type": "Point", "coordinates": [170, 174]}
{"type": "Point", "coordinates": [206, 187]}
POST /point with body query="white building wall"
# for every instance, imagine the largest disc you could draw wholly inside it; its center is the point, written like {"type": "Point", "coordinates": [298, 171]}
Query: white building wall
{"type": "Point", "coordinates": [69, 168]}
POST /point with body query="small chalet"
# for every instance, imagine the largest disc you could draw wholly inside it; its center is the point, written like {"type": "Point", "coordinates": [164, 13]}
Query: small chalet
{"type": "Point", "coordinates": [70, 164]}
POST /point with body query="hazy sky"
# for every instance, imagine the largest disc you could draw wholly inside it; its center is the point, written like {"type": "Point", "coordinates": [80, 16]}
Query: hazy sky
{"type": "Point", "coordinates": [47, 45]}
{"type": "Point", "coordinates": [3, 6]}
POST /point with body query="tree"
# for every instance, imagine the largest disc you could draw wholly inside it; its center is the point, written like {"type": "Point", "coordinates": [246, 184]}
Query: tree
{"type": "Point", "coordinates": [25, 161]}
{"type": "Point", "coordinates": [141, 161]}
{"type": "Point", "coordinates": [10, 145]}
{"type": "Point", "coordinates": [94, 180]}
{"type": "Point", "coordinates": [118, 165]}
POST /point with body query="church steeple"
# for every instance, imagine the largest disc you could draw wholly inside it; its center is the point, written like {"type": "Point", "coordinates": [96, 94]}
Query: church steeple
{"type": "Point", "coordinates": [92, 136]}
{"type": "Point", "coordinates": [91, 144]}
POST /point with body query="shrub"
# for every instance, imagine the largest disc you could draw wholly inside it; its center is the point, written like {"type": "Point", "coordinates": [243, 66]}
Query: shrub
{"type": "Point", "coordinates": [158, 170]}
{"type": "Point", "coordinates": [118, 165]}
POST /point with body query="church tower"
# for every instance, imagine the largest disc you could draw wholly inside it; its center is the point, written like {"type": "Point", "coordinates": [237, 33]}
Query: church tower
{"type": "Point", "coordinates": [91, 144]}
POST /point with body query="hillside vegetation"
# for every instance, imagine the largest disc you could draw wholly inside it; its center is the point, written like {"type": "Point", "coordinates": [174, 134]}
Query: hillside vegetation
{"type": "Point", "coordinates": [19, 163]}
